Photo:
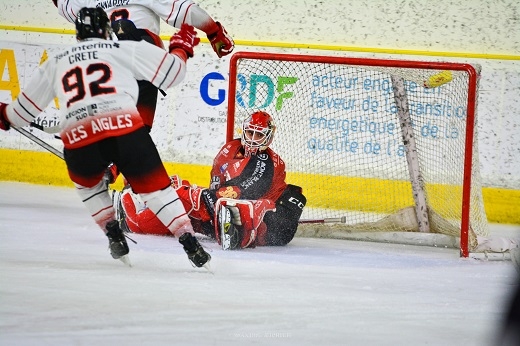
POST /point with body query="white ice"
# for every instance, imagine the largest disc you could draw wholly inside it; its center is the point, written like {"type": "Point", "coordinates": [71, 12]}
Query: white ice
{"type": "Point", "coordinates": [60, 286]}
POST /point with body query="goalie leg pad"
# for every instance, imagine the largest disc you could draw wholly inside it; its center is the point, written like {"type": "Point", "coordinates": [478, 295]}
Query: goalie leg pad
{"type": "Point", "coordinates": [169, 209]}
{"type": "Point", "coordinates": [239, 222]}
{"type": "Point", "coordinates": [226, 232]}
{"type": "Point", "coordinates": [234, 223]}
{"type": "Point", "coordinates": [137, 217]}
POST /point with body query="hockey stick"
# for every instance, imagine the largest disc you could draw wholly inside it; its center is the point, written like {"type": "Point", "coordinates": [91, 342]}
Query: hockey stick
{"type": "Point", "coordinates": [51, 130]}
{"type": "Point", "coordinates": [38, 141]}
{"type": "Point", "coordinates": [342, 219]}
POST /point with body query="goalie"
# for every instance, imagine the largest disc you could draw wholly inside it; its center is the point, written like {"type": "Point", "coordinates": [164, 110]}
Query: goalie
{"type": "Point", "coordinates": [248, 202]}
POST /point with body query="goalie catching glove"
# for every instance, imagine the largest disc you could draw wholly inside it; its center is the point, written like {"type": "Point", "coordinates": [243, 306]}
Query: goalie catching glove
{"type": "Point", "coordinates": [221, 42]}
{"type": "Point", "coordinates": [185, 40]}
{"type": "Point", "coordinates": [238, 223]}
{"type": "Point", "coordinates": [4, 123]}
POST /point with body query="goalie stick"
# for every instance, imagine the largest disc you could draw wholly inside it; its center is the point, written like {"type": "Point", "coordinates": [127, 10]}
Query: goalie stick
{"type": "Point", "coordinates": [39, 141]}
{"type": "Point", "coordinates": [342, 219]}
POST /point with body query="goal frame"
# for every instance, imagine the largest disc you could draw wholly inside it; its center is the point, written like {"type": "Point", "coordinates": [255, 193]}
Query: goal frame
{"type": "Point", "coordinates": [470, 115]}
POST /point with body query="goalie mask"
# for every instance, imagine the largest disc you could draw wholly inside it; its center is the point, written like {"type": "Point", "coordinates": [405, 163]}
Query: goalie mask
{"type": "Point", "coordinates": [92, 22]}
{"type": "Point", "coordinates": [257, 132]}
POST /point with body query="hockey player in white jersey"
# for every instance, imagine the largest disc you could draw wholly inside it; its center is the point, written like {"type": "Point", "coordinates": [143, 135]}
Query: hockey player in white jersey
{"type": "Point", "coordinates": [95, 81]}
{"type": "Point", "coordinates": [147, 15]}
{"type": "Point", "coordinates": [140, 20]}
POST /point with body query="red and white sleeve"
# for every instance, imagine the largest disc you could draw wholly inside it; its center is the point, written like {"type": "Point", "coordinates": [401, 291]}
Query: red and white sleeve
{"type": "Point", "coordinates": [32, 101]}
{"type": "Point", "coordinates": [176, 13]}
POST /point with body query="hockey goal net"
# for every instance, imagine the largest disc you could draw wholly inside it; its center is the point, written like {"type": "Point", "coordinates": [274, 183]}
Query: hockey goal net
{"type": "Point", "coordinates": [377, 145]}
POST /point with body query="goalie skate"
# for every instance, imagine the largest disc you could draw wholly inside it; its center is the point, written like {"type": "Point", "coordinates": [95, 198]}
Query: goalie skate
{"type": "Point", "coordinates": [228, 232]}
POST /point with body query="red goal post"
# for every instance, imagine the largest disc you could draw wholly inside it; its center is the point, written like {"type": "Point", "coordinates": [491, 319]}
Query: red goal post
{"type": "Point", "coordinates": [384, 145]}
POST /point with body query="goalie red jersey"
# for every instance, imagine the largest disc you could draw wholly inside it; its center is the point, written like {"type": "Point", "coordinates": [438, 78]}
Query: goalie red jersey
{"type": "Point", "coordinates": [235, 175]}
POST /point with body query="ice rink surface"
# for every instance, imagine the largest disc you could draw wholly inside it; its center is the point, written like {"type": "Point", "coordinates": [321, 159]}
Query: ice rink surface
{"type": "Point", "coordinates": [60, 286]}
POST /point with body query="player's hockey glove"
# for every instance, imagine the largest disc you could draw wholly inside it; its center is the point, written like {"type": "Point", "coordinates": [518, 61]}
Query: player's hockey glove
{"type": "Point", "coordinates": [185, 39]}
{"type": "Point", "coordinates": [221, 42]}
{"type": "Point", "coordinates": [4, 123]}
{"type": "Point", "coordinates": [55, 2]}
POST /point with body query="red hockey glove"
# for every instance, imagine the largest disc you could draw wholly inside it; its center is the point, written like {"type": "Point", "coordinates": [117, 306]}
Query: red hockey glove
{"type": "Point", "coordinates": [185, 39]}
{"type": "Point", "coordinates": [221, 42]}
{"type": "Point", "coordinates": [4, 123]}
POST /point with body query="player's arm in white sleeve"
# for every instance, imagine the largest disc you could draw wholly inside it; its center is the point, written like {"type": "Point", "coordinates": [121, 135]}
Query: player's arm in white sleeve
{"type": "Point", "coordinates": [157, 66]}
{"type": "Point", "coordinates": [162, 69]}
{"type": "Point", "coordinates": [176, 13]}
{"type": "Point", "coordinates": [32, 100]}
{"type": "Point", "coordinates": [69, 9]}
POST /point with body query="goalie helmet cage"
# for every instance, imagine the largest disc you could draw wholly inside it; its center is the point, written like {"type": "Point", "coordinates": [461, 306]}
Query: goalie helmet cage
{"type": "Point", "coordinates": [384, 145]}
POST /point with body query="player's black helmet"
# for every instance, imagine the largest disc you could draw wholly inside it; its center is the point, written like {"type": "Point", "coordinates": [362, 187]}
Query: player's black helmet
{"type": "Point", "coordinates": [92, 22]}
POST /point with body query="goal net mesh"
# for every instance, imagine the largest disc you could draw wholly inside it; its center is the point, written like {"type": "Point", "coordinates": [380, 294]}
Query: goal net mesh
{"type": "Point", "coordinates": [357, 151]}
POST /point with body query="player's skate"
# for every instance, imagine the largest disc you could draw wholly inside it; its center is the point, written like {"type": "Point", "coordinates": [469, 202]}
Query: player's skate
{"type": "Point", "coordinates": [196, 253]}
{"type": "Point", "coordinates": [117, 242]}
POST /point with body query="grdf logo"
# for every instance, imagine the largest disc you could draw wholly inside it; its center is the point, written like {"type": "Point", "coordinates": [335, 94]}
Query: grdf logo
{"type": "Point", "coordinates": [259, 91]}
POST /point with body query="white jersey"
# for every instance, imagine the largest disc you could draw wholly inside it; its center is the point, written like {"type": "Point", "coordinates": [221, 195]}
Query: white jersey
{"type": "Point", "coordinates": [145, 14]}
{"type": "Point", "coordinates": [95, 82]}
